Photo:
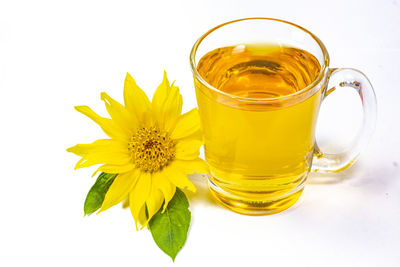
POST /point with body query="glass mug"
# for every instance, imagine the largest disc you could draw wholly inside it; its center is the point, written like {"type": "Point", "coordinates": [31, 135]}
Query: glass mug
{"type": "Point", "coordinates": [259, 84]}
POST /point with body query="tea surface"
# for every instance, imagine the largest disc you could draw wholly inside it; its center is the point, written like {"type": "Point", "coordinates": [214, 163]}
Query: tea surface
{"type": "Point", "coordinates": [259, 71]}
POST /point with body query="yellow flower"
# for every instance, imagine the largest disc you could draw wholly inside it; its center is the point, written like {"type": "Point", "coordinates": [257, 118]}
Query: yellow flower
{"type": "Point", "coordinates": [152, 148]}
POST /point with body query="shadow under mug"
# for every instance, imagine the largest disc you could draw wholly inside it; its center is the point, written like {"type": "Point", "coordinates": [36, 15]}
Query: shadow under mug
{"type": "Point", "coordinates": [261, 150]}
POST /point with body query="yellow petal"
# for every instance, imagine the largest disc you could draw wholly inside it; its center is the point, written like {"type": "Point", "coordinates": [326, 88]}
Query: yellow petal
{"type": "Point", "coordinates": [187, 124]}
{"type": "Point", "coordinates": [142, 218]}
{"type": "Point", "coordinates": [136, 101]}
{"type": "Point", "coordinates": [84, 162]}
{"type": "Point", "coordinates": [104, 151]}
{"type": "Point", "coordinates": [154, 201]}
{"type": "Point", "coordinates": [120, 114]}
{"type": "Point", "coordinates": [107, 125]}
{"type": "Point", "coordinates": [193, 166]}
{"type": "Point", "coordinates": [177, 176]}
{"type": "Point", "coordinates": [139, 194]}
{"type": "Point", "coordinates": [119, 189]}
{"type": "Point", "coordinates": [101, 145]}
{"type": "Point", "coordinates": [166, 187]}
{"type": "Point", "coordinates": [160, 95]}
{"type": "Point", "coordinates": [166, 104]}
{"type": "Point", "coordinates": [188, 149]}
{"type": "Point", "coordinates": [125, 203]}
{"type": "Point", "coordinates": [196, 135]}
{"type": "Point", "coordinates": [115, 168]}
{"type": "Point", "coordinates": [172, 108]}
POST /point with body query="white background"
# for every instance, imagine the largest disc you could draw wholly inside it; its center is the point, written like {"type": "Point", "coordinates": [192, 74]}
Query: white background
{"type": "Point", "coordinates": [57, 54]}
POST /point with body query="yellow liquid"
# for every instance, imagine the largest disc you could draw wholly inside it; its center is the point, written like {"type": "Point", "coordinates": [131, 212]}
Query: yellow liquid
{"type": "Point", "coordinates": [259, 152]}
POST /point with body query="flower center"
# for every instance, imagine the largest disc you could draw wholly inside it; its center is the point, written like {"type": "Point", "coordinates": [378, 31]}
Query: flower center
{"type": "Point", "coordinates": [151, 149]}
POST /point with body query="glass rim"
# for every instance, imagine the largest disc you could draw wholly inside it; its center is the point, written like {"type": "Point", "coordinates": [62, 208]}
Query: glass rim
{"type": "Point", "coordinates": [313, 84]}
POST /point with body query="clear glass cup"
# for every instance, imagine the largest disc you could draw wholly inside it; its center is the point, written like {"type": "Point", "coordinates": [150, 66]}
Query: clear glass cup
{"type": "Point", "coordinates": [261, 150]}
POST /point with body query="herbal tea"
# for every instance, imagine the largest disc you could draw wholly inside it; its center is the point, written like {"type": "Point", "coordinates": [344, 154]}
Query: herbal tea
{"type": "Point", "coordinates": [257, 149]}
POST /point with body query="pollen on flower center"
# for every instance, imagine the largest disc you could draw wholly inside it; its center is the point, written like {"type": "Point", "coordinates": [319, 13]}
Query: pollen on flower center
{"type": "Point", "coordinates": [151, 149]}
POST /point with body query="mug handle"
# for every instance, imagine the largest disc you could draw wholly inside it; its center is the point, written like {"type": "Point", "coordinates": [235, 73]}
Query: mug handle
{"type": "Point", "coordinates": [350, 78]}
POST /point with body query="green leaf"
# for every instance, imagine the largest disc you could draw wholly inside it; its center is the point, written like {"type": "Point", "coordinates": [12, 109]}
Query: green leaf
{"type": "Point", "coordinates": [96, 194]}
{"type": "Point", "coordinates": [169, 229]}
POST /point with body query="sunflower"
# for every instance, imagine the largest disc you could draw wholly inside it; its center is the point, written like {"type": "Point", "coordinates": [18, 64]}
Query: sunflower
{"type": "Point", "coordinates": [152, 148]}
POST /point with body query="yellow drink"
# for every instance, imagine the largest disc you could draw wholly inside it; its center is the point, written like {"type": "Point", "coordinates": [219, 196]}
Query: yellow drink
{"type": "Point", "coordinates": [259, 152]}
